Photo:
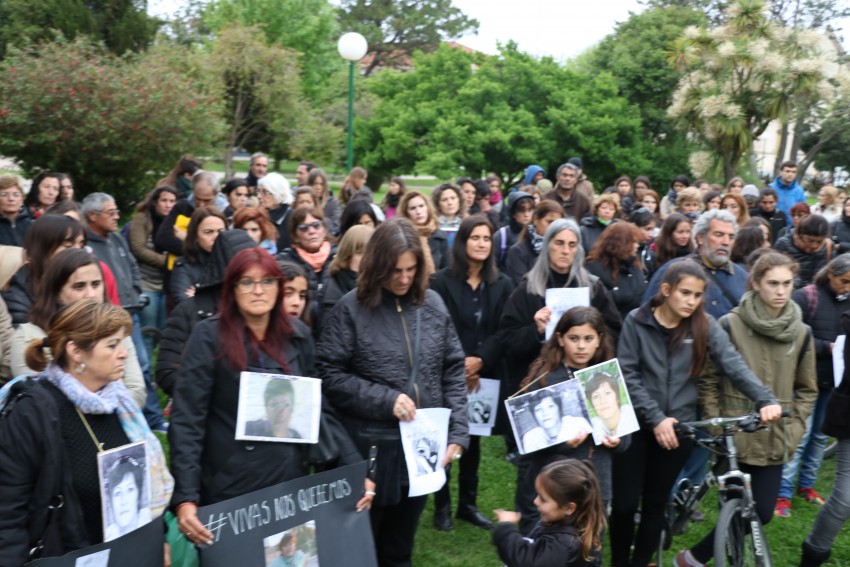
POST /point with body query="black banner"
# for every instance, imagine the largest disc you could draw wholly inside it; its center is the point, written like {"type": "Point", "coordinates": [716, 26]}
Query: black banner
{"type": "Point", "coordinates": [312, 518]}
{"type": "Point", "coordinates": [144, 546]}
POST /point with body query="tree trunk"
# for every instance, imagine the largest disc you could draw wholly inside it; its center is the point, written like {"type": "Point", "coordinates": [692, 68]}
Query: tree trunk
{"type": "Point", "coordinates": [799, 124]}
{"type": "Point", "coordinates": [780, 155]}
{"type": "Point", "coordinates": [228, 161]}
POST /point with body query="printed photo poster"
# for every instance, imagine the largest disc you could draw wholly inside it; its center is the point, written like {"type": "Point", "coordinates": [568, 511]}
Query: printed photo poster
{"type": "Point", "coordinates": [143, 546]}
{"type": "Point", "coordinates": [548, 416]}
{"type": "Point", "coordinates": [278, 408]}
{"type": "Point", "coordinates": [562, 299]}
{"type": "Point", "coordinates": [124, 489]}
{"type": "Point", "coordinates": [424, 441]}
{"type": "Point", "coordinates": [838, 359]}
{"type": "Point", "coordinates": [481, 407]}
{"type": "Point", "coordinates": [309, 521]}
{"type": "Point", "coordinates": [608, 402]}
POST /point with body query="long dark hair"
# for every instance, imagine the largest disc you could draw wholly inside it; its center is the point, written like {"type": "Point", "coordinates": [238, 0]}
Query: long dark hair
{"type": "Point", "coordinates": [352, 212]}
{"type": "Point", "coordinates": [46, 302]}
{"type": "Point", "coordinates": [232, 330]}
{"type": "Point", "coordinates": [42, 239]}
{"type": "Point", "coordinates": [149, 204]}
{"type": "Point", "coordinates": [390, 241]}
{"type": "Point", "coordinates": [191, 249]}
{"type": "Point", "coordinates": [460, 262]}
{"type": "Point", "coordinates": [665, 247]}
{"type": "Point", "coordinates": [33, 198]}
{"type": "Point", "coordinates": [552, 355]}
{"type": "Point", "coordinates": [695, 326]}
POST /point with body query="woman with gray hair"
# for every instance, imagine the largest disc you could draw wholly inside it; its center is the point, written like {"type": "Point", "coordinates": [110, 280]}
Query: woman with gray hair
{"type": "Point", "coordinates": [822, 303]}
{"type": "Point", "coordinates": [525, 316]}
{"type": "Point", "coordinates": [276, 197]}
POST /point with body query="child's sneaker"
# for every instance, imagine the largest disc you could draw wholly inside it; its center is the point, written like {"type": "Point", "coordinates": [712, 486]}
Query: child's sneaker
{"type": "Point", "coordinates": [782, 508]}
{"type": "Point", "coordinates": [811, 496]}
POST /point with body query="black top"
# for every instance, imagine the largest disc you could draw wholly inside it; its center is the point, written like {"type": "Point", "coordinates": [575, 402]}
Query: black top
{"type": "Point", "coordinates": [471, 306]}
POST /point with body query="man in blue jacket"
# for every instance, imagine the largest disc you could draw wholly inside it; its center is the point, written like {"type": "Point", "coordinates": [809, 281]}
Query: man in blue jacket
{"type": "Point", "coordinates": [789, 191]}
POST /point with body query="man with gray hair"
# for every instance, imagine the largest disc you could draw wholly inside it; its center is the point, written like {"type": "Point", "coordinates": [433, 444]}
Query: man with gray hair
{"type": "Point", "coordinates": [100, 215]}
{"type": "Point", "coordinates": [257, 168]}
{"type": "Point", "coordinates": [714, 233]}
{"type": "Point", "coordinates": [575, 204]}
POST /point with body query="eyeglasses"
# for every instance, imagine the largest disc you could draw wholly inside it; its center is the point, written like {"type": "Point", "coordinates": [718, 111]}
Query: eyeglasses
{"type": "Point", "coordinates": [112, 213]}
{"type": "Point", "coordinates": [11, 195]}
{"type": "Point", "coordinates": [315, 225]}
{"type": "Point", "coordinates": [247, 285]}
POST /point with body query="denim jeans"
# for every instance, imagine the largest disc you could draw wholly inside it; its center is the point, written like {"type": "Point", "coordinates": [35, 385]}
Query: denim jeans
{"type": "Point", "coordinates": [835, 513]}
{"type": "Point", "coordinates": [809, 455]}
{"type": "Point", "coordinates": [153, 316]}
{"type": "Point", "coordinates": [152, 411]}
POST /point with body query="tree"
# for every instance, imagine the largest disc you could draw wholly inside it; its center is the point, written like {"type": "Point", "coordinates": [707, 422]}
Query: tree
{"type": "Point", "coordinates": [308, 27]}
{"type": "Point", "coordinates": [459, 113]}
{"type": "Point", "coordinates": [738, 77]}
{"type": "Point", "coordinates": [814, 14]}
{"type": "Point", "coordinates": [394, 29]}
{"type": "Point", "coordinates": [115, 124]}
{"type": "Point", "coordinates": [635, 54]}
{"type": "Point", "coordinates": [122, 25]}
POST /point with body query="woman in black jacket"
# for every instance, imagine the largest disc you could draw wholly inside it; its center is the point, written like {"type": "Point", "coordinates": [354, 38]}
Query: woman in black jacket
{"type": "Point", "coordinates": [614, 260]}
{"type": "Point", "coordinates": [344, 268]}
{"type": "Point", "coordinates": [204, 228]}
{"type": "Point", "coordinates": [385, 352]}
{"type": "Point", "coordinates": [474, 292]}
{"type": "Point", "coordinates": [251, 333]}
{"type": "Point", "coordinates": [523, 254]}
{"type": "Point", "coordinates": [416, 208]}
{"type": "Point", "coordinates": [840, 230]}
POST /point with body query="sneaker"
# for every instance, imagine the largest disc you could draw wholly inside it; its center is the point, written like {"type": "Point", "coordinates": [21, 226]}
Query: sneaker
{"type": "Point", "coordinates": [782, 508]}
{"type": "Point", "coordinates": [685, 559]}
{"type": "Point", "coordinates": [811, 496]}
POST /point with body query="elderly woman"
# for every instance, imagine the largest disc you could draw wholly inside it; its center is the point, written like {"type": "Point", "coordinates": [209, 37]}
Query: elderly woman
{"type": "Point", "coordinates": [208, 463]}
{"type": "Point", "coordinates": [57, 425]}
{"type": "Point", "coordinates": [605, 212]}
{"type": "Point", "coordinates": [387, 351]}
{"type": "Point", "coordinates": [14, 219]}
{"type": "Point", "coordinates": [276, 197]}
{"type": "Point", "coordinates": [72, 275]}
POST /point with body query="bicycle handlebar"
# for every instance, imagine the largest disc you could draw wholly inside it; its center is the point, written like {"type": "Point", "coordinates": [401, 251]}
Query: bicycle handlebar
{"type": "Point", "coordinates": [748, 423]}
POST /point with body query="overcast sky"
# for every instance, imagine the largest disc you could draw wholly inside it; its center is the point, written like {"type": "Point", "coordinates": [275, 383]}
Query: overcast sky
{"type": "Point", "coordinates": [560, 28]}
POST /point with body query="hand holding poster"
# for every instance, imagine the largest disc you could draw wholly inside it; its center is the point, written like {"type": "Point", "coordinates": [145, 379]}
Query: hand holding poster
{"type": "Point", "coordinates": [425, 440]}
{"type": "Point", "coordinates": [481, 407]}
{"type": "Point", "coordinates": [607, 399]}
{"type": "Point", "coordinates": [548, 416]}
{"type": "Point", "coordinates": [278, 408]}
{"type": "Point", "coordinates": [311, 519]}
{"type": "Point", "coordinates": [562, 299]}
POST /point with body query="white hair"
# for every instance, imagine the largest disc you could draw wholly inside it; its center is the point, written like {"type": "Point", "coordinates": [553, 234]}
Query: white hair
{"type": "Point", "coordinates": [278, 186]}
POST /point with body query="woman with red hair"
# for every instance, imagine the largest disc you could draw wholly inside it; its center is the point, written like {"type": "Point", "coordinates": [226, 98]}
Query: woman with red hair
{"type": "Point", "coordinates": [256, 223]}
{"type": "Point", "coordinates": [251, 332]}
{"type": "Point", "coordinates": [614, 260]}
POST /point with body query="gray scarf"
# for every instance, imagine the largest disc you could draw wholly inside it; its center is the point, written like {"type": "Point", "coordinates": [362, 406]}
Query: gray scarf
{"type": "Point", "coordinates": [784, 328]}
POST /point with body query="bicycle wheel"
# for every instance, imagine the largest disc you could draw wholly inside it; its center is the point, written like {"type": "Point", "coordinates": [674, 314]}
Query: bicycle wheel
{"type": "Point", "coordinates": [739, 541]}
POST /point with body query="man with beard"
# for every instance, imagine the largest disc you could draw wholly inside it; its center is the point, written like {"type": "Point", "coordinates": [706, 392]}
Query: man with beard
{"type": "Point", "coordinates": [714, 232]}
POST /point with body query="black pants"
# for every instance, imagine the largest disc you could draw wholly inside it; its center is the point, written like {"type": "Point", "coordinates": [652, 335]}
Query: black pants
{"type": "Point", "coordinates": [642, 475]}
{"type": "Point", "coordinates": [765, 486]}
{"type": "Point", "coordinates": [394, 529]}
{"type": "Point", "coordinates": [467, 479]}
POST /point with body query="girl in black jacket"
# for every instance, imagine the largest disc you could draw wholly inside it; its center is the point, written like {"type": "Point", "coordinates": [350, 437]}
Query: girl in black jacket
{"type": "Point", "coordinates": [572, 518]}
{"type": "Point", "coordinates": [474, 292]}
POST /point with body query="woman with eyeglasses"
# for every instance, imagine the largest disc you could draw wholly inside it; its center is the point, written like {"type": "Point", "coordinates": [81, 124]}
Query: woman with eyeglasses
{"type": "Point", "coordinates": [14, 219]}
{"type": "Point", "coordinates": [252, 332]}
{"type": "Point", "coordinates": [310, 248]}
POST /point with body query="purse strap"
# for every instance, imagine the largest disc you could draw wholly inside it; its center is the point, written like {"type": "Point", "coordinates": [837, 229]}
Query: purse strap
{"type": "Point", "coordinates": [411, 382]}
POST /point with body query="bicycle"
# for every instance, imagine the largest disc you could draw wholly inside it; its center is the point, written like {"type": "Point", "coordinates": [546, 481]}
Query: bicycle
{"type": "Point", "coordinates": [739, 535]}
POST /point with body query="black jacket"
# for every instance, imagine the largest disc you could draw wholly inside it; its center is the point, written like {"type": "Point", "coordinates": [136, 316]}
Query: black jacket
{"type": "Point", "coordinates": [504, 239]}
{"type": "Point", "coordinates": [591, 230]}
{"type": "Point", "coordinates": [822, 312]}
{"type": "Point", "coordinates": [189, 312]}
{"type": "Point", "coordinates": [777, 220]}
{"type": "Point", "coordinates": [34, 461]}
{"type": "Point", "coordinates": [19, 296]}
{"type": "Point", "coordinates": [521, 258]}
{"type": "Point", "coordinates": [164, 238]}
{"type": "Point", "coordinates": [840, 231]}
{"type": "Point", "coordinates": [185, 275]}
{"type": "Point", "coordinates": [810, 264]}
{"type": "Point", "coordinates": [629, 288]}
{"type": "Point", "coordinates": [280, 217]}
{"type": "Point", "coordinates": [12, 231]}
{"type": "Point", "coordinates": [497, 294]}
{"type": "Point", "coordinates": [208, 464]}
{"type": "Point", "coordinates": [552, 545]}
{"type": "Point", "coordinates": [337, 286]}
{"type": "Point", "coordinates": [364, 362]}
{"type": "Point", "coordinates": [439, 245]}
{"type": "Point", "coordinates": [315, 280]}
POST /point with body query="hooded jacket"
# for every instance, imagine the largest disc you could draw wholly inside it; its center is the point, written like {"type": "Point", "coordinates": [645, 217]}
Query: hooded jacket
{"type": "Point", "coordinates": [530, 172]}
{"type": "Point", "coordinates": [508, 235]}
{"type": "Point", "coordinates": [789, 195]}
{"type": "Point", "coordinates": [194, 309]}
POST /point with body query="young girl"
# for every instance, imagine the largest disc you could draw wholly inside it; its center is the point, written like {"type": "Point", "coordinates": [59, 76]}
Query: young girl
{"type": "Point", "coordinates": [663, 350]}
{"type": "Point", "coordinates": [572, 518]}
{"type": "Point", "coordinates": [768, 330]}
{"type": "Point", "coordinates": [296, 291]}
{"type": "Point", "coordinates": [580, 340]}
{"type": "Point", "coordinates": [674, 241]}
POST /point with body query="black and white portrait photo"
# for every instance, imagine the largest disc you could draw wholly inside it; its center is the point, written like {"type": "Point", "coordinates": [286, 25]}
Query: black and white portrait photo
{"type": "Point", "coordinates": [124, 489]}
{"type": "Point", "coordinates": [97, 559]}
{"type": "Point", "coordinates": [548, 416]}
{"type": "Point", "coordinates": [273, 407]}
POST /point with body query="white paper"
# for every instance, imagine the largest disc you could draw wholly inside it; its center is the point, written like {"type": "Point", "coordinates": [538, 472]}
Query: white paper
{"type": "Point", "coordinates": [425, 440]}
{"type": "Point", "coordinates": [292, 408]}
{"type": "Point", "coordinates": [562, 299]}
{"type": "Point", "coordinates": [97, 559]}
{"type": "Point", "coordinates": [481, 407]}
{"type": "Point", "coordinates": [548, 416]}
{"type": "Point", "coordinates": [838, 359]}
{"type": "Point", "coordinates": [125, 484]}
{"type": "Point", "coordinates": [608, 404]}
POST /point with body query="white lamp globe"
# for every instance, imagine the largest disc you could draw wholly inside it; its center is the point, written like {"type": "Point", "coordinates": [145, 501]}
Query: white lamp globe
{"type": "Point", "coordinates": [352, 46]}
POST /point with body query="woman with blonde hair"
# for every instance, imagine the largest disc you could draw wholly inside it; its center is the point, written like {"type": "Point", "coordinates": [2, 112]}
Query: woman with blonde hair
{"type": "Point", "coordinates": [828, 204]}
{"type": "Point", "coordinates": [416, 208]}
{"type": "Point", "coordinates": [345, 265]}
{"type": "Point", "coordinates": [735, 204]}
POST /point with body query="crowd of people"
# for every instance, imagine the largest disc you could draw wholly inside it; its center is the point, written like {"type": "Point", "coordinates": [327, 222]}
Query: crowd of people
{"type": "Point", "coordinates": [716, 300]}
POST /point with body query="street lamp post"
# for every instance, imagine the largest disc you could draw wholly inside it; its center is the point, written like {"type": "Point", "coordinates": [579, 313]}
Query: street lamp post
{"type": "Point", "coordinates": [351, 47]}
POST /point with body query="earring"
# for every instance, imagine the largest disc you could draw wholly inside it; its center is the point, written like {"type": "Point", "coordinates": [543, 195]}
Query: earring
{"type": "Point", "coordinates": [82, 367]}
